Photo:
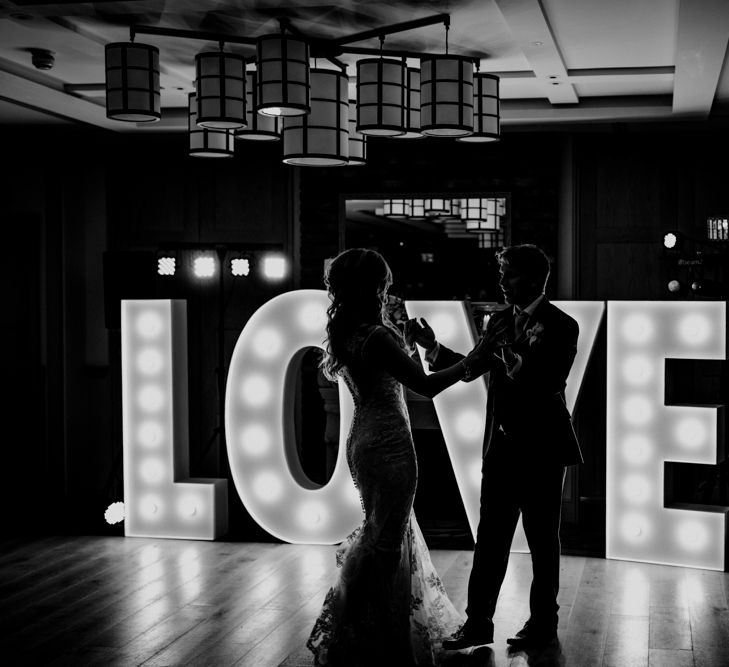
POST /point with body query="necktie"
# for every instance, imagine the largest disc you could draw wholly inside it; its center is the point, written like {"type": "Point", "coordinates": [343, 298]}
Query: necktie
{"type": "Point", "coordinates": [520, 320]}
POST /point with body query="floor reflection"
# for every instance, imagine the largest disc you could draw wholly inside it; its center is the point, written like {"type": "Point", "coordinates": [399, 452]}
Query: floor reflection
{"type": "Point", "coordinates": [483, 656]}
{"type": "Point", "coordinates": [546, 656]}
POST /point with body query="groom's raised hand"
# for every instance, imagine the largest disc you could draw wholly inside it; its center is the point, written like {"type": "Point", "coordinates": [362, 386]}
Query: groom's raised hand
{"type": "Point", "coordinates": [421, 334]}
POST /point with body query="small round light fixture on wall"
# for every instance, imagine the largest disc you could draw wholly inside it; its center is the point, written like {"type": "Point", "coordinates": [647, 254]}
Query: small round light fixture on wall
{"type": "Point", "coordinates": [132, 82]}
{"type": "Point", "coordinates": [220, 85]}
{"type": "Point", "coordinates": [283, 75]}
{"type": "Point", "coordinates": [320, 139]}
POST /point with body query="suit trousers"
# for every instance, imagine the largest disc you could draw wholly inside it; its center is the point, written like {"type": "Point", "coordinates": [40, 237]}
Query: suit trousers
{"type": "Point", "coordinates": [512, 483]}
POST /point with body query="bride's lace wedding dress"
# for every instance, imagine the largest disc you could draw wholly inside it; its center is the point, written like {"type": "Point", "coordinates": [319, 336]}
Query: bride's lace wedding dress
{"type": "Point", "coordinates": [388, 605]}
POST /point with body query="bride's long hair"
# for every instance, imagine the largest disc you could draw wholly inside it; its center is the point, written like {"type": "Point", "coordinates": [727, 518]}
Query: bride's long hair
{"type": "Point", "coordinates": [357, 280]}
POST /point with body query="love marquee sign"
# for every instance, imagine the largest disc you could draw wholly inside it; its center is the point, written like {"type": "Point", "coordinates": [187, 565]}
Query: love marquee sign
{"type": "Point", "coordinates": [642, 431]}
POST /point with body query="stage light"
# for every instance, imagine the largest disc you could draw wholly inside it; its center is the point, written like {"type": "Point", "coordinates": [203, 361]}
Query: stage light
{"type": "Point", "coordinates": [204, 266]}
{"type": "Point", "coordinates": [166, 266]}
{"type": "Point", "coordinates": [240, 266]}
{"type": "Point", "coordinates": [274, 267]}
{"type": "Point", "coordinates": [669, 240]}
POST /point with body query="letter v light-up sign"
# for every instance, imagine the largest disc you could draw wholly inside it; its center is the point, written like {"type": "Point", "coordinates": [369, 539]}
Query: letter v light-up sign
{"type": "Point", "coordinates": [159, 498]}
{"type": "Point", "coordinates": [643, 433]}
{"type": "Point", "coordinates": [259, 426]}
{"type": "Point", "coordinates": [461, 408]}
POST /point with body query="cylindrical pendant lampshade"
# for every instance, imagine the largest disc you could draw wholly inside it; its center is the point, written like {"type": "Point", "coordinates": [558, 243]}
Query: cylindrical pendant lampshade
{"type": "Point", "coordinates": [501, 206]}
{"type": "Point", "coordinates": [446, 96]}
{"type": "Point", "coordinates": [220, 86]}
{"type": "Point", "coordinates": [132, 82]}
{"type": "Point", "coordinates": [486, 109]}
{"type": "Point", "coordinates": [477, 208]}
{"type": "Point", "coordinates": [381, 96]}
{"type": "Point", "coordinates": [258, 127]}
{"type": "Point", "coordinates": [320, 139]}
{"type": "Point", "coordinates": [437, 207]}
{"type": "Point", "coordinates": [417, 209]}
{"type": "Point", "coordinates": [489, 240]}
{"type": "Point", "coordinates": [206, 142]}
{"type": "Point", "coordinates": [283, 76]}
{"type": "Point", "coordinates": [412, 112]}
{"type": "Point", "coordinates": [489, 222]}
{"type": "Point", "coordinates": [357, 141]}
{"type": "Point", "coordinates": [397, 208]}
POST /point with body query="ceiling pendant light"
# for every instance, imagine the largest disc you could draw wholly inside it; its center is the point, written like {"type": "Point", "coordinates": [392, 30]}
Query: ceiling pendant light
{"type": "Point", "coordinates": [132, 82]}
{"type": "Point", "coordinates": [206, 142]}
{"type": "Point", "coordinates": [437, 207]}
{"type": "Point", "coordinates": [381, 96]}
{"type": "Point", "coordinates": [489, 240]}
{"type": "Point", "coordinates": [412, 111]}
{"type": "Point", "coordinates": [283, 75]}
{"type": "Point", "coordinates": [486, 112]}
{"type": "Point", "coordinates": [321, 138]}
{"type": "Point", "coordinates": [220, 86]}
{"type": "Point", "coordinates": [397, 208]}
{"type": "Point", "coordinates": [258, 127]}
{"type": "Point", "coordinates": [357, 141]}
{"type": "Point", "coordinates": [417, 209]}
{"type": "Point", "coordinates": [446, 94]}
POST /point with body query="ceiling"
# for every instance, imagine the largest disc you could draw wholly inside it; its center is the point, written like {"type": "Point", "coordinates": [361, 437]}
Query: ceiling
{"type": "Point", "coordinates": [559, 61]}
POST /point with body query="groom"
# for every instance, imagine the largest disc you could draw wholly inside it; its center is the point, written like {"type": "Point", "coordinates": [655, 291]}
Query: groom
{"type": "Point", "coordinates": [527, 350]}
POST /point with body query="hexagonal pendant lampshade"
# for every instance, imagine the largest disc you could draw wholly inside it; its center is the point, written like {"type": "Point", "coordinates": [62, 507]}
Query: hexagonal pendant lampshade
{"type": "Point", "coordinates": [381, 96]}
{"type": "Point", "coordinates": [283, 75]}
{"type": "Point", "coordinates": [220, 85]}
{"type": "Point", "coordinates": [446, 96]}
{"type": "Point", "coordinates": [486, 109]}
{"type": "Point", "coordinates": [397, 208]}
{"type": "Point", "coordinates": [132, 82]}
{"type": "Point", "coordinates": [206, 142]}
{"type": "Point", "coordinates": [321, 138]}
{"type": "Point", "coordinates": [259, 127]}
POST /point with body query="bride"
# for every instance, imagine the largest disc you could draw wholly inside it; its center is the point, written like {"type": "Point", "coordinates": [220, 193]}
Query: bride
{"type": "Point", "coordinates": [388, 605]}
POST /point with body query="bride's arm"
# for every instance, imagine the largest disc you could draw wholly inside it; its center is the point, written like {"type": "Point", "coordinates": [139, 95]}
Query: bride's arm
{"type": "Point", "coordinates": [381, 349]}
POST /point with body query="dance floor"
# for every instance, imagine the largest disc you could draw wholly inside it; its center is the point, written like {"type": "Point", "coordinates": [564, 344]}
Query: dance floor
{"type": "Point", "coordinates": [130, 601]}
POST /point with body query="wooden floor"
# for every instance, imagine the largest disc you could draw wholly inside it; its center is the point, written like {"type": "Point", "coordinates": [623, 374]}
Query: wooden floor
{"type": "Point", "coordinates": [130, 601]}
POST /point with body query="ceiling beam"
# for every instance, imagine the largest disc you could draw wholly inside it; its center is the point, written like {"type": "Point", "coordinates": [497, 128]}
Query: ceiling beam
{"type": "Point", "coordinates": [701, 43]}
{"type": "Point", "coordinates": [56, 102]}
{"type": "Point", "coordinates": [590, 109]}
{"type": "Point", "coordinates": [528, 24]}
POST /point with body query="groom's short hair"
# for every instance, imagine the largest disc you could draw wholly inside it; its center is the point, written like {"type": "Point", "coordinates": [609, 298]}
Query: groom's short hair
{"type": "Point", "coordinates": [528, 259]}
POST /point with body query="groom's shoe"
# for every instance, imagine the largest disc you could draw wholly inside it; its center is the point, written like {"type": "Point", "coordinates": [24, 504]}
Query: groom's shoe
{"type": "Point", "coordinates": [533, 636]}
{"type": "Point", "coordinates": [470, 634]}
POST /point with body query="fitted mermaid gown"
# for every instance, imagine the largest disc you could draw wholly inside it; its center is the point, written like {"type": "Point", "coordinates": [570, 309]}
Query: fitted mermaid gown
{"type": "Point", "coordinates": [388, 605]}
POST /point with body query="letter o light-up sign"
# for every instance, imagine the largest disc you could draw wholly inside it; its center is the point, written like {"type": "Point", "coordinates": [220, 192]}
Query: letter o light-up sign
{"type": "Point", "coordinates": [259, 428]}
{"type": "Point", "coordinates": [643, 432]}
{"type": "Point", "coordinates": [159, 499]}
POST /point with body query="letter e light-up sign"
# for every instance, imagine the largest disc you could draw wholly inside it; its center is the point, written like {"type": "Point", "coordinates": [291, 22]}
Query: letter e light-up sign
{"type": "Point", "coordinates": [160, 500]}
{"type": "Point", "coordinates": [259, 426]}
{"type": "Point", "coordinates": [643, 433]}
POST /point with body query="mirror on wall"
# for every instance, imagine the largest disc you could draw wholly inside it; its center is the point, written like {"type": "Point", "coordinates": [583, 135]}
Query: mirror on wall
{"type": "Point", "coordinates": [438, 247]}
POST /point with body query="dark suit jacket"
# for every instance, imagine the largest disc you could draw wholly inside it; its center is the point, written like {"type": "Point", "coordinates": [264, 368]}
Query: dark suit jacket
{"type": "Point", "coordinates": [530, 408]}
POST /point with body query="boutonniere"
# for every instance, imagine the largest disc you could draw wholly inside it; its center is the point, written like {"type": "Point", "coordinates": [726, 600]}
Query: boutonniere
{"type": "Point", "coordinates": [534, 334]}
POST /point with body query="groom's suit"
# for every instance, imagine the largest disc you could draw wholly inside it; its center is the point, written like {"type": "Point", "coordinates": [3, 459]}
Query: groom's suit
{"type": "Point", "coordinates": [528, 441]}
